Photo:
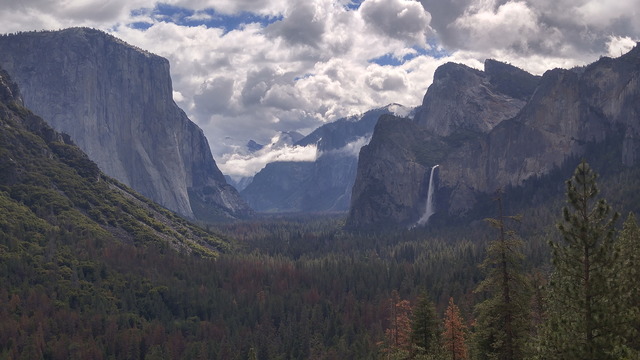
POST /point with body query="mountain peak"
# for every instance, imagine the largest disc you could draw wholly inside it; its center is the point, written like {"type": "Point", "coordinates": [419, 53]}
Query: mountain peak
{"type": "Point", "coordinates": [454, 72]}
{"type": "Point", "coordinates": [285, 138]}
{"type": "Point", "coordinates": [253, 146]}
{"type": "Point", "coordinates": [462, 98]}
{"type": "Point", "coordinates": [399, 110]}
{"type": "Point", "coordinates": [510, 80]}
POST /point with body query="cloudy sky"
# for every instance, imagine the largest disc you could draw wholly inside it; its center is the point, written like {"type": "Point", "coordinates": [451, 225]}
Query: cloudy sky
{"type": "Point", "coordinates": [248, 69]}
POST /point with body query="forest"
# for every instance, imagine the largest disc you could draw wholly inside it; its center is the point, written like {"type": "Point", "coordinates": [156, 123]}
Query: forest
{"type": "Point", "coordinates": [557, 282]}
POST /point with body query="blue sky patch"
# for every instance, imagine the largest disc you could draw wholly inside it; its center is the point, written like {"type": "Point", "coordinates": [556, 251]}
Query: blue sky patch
{"type": "Point", "coordinates": [208, 17]}
{"type": "Point", "coordinates": [390, 60]}
{"type": "Point", "coordinates": [354, 4]}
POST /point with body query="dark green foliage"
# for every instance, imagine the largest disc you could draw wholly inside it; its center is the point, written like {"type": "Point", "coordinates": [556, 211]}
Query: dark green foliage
{"type": "Point", "coordinates": [502, 325]}
{"type": "Point", "coordinates": [629, 245]}
{"type": "Point", "coordinates": [585, 319]}
{"type": "Point", "coordinates": [425, 332]}
{"type": "Point", "coordinates": [122, 300]}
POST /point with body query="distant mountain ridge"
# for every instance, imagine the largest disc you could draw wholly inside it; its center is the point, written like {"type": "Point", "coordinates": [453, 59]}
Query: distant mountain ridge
{"type": "Point", "coordinates": [116, 103]}
{"type": "Point", "coordinates": [325, 184]}
{"type": "Point", "coordinates": [490, 130]}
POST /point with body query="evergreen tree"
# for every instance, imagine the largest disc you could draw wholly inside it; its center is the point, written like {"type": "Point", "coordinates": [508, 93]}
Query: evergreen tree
{"type": "Point", "coordinates": [503, 319]}
{"type": "Point", "coordinates": [454, 333]}
{"type": "Point", "coordinates": [630, 271]}
{"type": "Point", "coordinates": [584, 309]}
{"type": "Point", "coordinates": [424, 327]}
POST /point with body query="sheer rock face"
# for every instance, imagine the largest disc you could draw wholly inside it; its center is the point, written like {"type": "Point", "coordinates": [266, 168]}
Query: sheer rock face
{"type": "Point", "coordinates": [390, 176]}
{"type": "Point", "coordinates": [492, 129]}
{"type": "Point", "coordinates": [325, 184]}
{"type": "Point", "coordinates": [116, 103]}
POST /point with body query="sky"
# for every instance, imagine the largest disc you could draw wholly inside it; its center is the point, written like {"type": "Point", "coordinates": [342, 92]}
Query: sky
{"type": "Point", "coordinates": [249, 69]}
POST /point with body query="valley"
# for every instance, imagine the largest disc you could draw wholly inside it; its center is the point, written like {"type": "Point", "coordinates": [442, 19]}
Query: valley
{"type": "Point", "coordinates": [495, 220]}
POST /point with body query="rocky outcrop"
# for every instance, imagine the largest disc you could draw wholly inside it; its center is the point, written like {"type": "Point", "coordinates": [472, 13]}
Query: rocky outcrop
{"type": "Point", "coordinates": [558, 118]}
{"type": "Point", "coordinates": [462, 98]}
{"type": "Point", "coordinates": [116, 103]}
{"type": "Point", "coordinates": [324, 185]}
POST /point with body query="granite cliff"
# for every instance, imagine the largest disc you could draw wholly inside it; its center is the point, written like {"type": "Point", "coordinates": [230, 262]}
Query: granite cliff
{"type": "Point", "coordinates": [462, 98]}
{"type": "Point", "coordinates": [493, 129]}
{"type": "Point", "coordinates": [116, 103]}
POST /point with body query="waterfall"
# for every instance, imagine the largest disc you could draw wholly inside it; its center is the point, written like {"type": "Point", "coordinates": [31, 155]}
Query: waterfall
{"type": "Point", "coordinates": [430, 208]}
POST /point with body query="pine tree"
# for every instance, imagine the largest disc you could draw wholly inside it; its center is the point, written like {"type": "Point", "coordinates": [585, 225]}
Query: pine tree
{"type": "Point", "coordinates": [584, 309]}
{"type": "Point", "coordinates": [454, 333]}
{"type": "Point", "coordinates": [503, 319]}
{"type": "Point", "coordinates": [424, 326]}
{"type": "Point", "coordinates": [630, 271]}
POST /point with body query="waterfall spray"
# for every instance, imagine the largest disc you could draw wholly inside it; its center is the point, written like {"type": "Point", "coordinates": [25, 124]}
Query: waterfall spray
{"type": "Point", "coordinates": [430, 208]}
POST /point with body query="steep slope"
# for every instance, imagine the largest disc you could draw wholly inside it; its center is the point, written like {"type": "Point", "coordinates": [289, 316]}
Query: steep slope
{"type": "Point", "coordinates": [325, 184]}
{"type": "Point", "coordinates": [50, 188]}
{"type": "Point", "coordinates": [115, 101]}
{"type": "Point", "coordinates": [568, 112]}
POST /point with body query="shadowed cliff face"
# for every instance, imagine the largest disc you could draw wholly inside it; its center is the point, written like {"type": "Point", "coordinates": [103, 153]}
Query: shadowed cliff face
{"type": "Point", "coordinates": [492, 129]}
{"type": "Point", "coordinates": [115, 101]}
{"type": "Point", "coordinates": [390, 176]}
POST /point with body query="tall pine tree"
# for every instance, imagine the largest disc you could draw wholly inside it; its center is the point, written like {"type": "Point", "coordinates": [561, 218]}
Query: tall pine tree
{"type": "Point", "coordinates": [584, 315]}
{"type": "Point", "coordinates": [503, 319]}
{"type": "Point", "coordinates": [425, 334]}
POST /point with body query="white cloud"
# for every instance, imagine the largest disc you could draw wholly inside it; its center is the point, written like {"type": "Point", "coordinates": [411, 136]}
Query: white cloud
{"type": "Point", "coordinates": [381, 78]}
{"type": "Point", "coordinates": [602, 14]}
{"type": "Point", "coordinates": [239, 165]}
{"type": "Point", "coordinates": [262, 7]}
{"type": "Point", "coordinates": [619, 45]}
{"type": "Point", "coordinates": [200, 16]}
{"type": "Point", "coordinates": [512, 25]}
{"type": "Point", "coordinates": [302, 24]}
{"type": "Point", "coordinates": [404, 20]}
{"type": "Point", "coordinates": [215, 95]}
{"type": "Point", "coordinates": [20, 15]}
{"type": "Point", "coordinates": [351, 149]}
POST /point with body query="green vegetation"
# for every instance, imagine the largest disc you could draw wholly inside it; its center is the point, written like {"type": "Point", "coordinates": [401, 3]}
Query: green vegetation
{"type": "Point", "coordinates": [586, 320]}
{"type": "Point", "coordinates": [503, 318]}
